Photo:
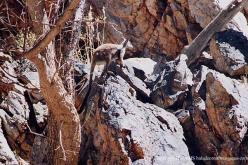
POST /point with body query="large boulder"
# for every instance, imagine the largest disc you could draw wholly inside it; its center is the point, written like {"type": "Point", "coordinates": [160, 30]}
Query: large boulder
{"type": "Point", "coordinates": [220, 116]}
{"type": "Point", "coordinates": [119, 129]}
{"type": "Point", "coordinates": [142, 68]}
{"type": "Point", "coordinates": [171, 86]}
{"type": "Point", "coordinates": [136, 75]}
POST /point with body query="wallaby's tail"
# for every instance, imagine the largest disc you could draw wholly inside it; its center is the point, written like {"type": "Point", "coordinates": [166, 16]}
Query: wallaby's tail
{"type": "Point", "coordinates": [84, 104]}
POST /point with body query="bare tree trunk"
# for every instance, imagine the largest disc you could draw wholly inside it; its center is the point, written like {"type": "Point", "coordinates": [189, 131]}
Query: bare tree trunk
{"type": "Point", "coordinates": [194, 50]}
{"type": "Point", "coordinates": [64, 130]}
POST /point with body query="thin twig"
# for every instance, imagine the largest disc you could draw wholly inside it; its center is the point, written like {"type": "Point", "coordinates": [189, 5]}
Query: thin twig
{"type": "Point", "coordinates": [37, 134]}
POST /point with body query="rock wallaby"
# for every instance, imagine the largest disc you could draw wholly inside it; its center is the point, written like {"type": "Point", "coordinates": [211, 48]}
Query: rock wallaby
{"type": "Point", "coordinates": [106, 53]}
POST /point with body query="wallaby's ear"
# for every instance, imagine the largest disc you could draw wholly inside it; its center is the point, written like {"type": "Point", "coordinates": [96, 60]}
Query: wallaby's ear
{"type": "Point", "coordinates": [124, 43]}
{"type": "Point", "coordinates": [129, 45]}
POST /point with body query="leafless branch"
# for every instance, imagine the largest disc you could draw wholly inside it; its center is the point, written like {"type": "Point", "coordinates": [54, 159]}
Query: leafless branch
{"type": "Point", "coordinates": [37, 134]}
{"type": "Point", "coordinates": [42, 44]}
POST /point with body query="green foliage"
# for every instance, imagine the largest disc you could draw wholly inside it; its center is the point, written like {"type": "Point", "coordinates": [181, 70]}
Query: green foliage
{"type": "Point", "coordinates": [25, 40]}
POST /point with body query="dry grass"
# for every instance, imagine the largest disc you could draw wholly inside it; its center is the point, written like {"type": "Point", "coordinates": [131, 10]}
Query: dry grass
{"type": "Point", "coordinates": [93, 35]}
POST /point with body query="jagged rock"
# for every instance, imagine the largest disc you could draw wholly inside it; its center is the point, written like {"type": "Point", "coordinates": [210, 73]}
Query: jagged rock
{"type": "Point", "coordinates": [192, 31]}
{"type": "Point", "coordinates": [220, 123]}
{"type": "Point", "coordinates": [142, 68]}
{"type": "Point", "coordinates": [182, 115]}
{"type": "Point", "coordinates": [203, 140]}
{"type": "Point", "coordinates": [31, 78]}
{"type": "Point", "coordinates": [17, 104]}
{"type": "Point", "coordinates": [230, 52]}
{"type": "Point", "coordinates": [138, 72]}
{"type": "Point", "coordinates": [136, 83]}
{"type": "Point", "coordinates": [41, 113]}
{"type": "Point", "coordinates": [123, 130]}
{"type": "Point", "coordinates": [172, 84]}
{"type": "Point", "coordinates": [16, 114]}
{"type": "Point", "coordinates": [21, 104]}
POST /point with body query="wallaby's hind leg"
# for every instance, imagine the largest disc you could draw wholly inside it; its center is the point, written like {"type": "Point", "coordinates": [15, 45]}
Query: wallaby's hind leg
{"type": "Point", "coordinates": [106, 67]}
{"type": "Point", "coordinates": [121, 63]}
{"type": "Point", "coordinates": [108, 72]}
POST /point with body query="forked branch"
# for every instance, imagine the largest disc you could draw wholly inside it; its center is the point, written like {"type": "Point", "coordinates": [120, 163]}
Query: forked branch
{"type": "Point", "coordinates": [42, 44]}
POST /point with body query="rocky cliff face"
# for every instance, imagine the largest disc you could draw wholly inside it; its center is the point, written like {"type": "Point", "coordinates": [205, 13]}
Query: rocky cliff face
{"type": "Point", "coordinates": [156, 27]}
{"type": "Point", "coordinates": [23, 111]}
{"type": "Point", "coordinates": [155, 110]}
{"type": "Point", "coordinates": [209, 103]}
{"type": "Point", "coordinates": [163, 27]}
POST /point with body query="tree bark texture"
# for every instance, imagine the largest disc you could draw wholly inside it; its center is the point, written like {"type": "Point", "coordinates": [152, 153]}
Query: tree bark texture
{"type": "Point", "coordinates": [64, 130]}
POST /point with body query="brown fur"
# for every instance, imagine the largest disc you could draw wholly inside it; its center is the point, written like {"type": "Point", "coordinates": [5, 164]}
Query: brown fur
{"type": "Point", "coordinates": [106, 53]}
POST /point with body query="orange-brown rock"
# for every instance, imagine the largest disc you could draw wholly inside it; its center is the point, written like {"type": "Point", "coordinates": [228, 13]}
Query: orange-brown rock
{"type": "Point", "coordinates": [217, 108]}
{"type": "Point", "coordinates": [219, 118]}
{"type": "Point", "coordinates": [155, 27]}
